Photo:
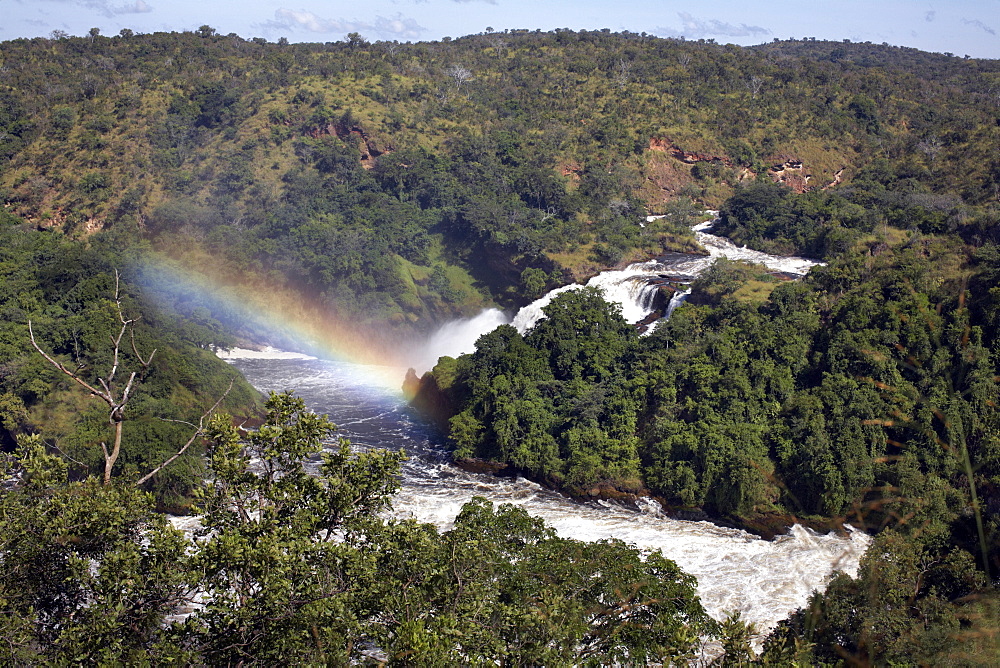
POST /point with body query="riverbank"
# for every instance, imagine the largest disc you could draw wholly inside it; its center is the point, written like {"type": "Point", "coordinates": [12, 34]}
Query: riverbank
{"type": "Point", "coordinates": [767, 525]}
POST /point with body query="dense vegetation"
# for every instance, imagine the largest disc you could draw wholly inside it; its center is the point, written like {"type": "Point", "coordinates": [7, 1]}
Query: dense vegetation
{"type": "Point", "coordinates": [67, 292]}
{"type": "Point", "coordinates": [866, 392]}
{"type": "Point", "coordinates": [399, 185]}
{"type": "Point", "coordinates": [408, 183]}
{"type": "Point", "coordinates": [290, 566]}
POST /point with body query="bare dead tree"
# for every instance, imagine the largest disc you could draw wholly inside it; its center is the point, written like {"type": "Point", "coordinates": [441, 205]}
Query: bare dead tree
{"type": "Point", "coordinates": [931, 147]}
{"type": "Point", "coordinates": [198, 431]}
{"type": "Point", "coordinates": [116, 395]}
{"type": "Point", "coordinates": [499, 45]}
{"type": "Point", "coordinates": [754, 84]}
{"type": "Point", "coordinates": [460, 75]}
{"type": "Point", "coordinates": [621, 73]}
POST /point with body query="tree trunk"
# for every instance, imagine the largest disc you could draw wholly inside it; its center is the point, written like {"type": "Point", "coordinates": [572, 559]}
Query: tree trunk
{"type": "Point", "coordinates": [110, 459]}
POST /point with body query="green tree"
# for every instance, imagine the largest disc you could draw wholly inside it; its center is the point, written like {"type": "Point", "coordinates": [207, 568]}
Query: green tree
{"type": "Point", "coordinates": [88, 572]}
{"type": "Point", "coordinates": [583, 336]}
{"type": "Point", "coordinates": [533, 282]}
{"type": "Point", "coordinates": [502, 586]}
{"type": "Point", "coordinates": [276, 562]}
{"type": "Point", "coordinates": [911, 604]}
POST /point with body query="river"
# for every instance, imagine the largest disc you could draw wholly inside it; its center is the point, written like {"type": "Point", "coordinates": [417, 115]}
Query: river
{"type": "Point", "coordinates": [736, 571]}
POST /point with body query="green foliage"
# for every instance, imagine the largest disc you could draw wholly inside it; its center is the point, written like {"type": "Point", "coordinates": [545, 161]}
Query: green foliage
{"type": "Point", "coordinates": [512, 155]}
{"type": "Point", "coordinates": [819, 224]}
{"type": "Point", "coordinates": [722, 279]}
{"type": "Point", "coordinates": [737, 639]}
{"type": "Point", "coordinates": [534, 282]}
{"type": "Point", "coordinates": [89, 570]}
{"type": "Point", "coordinates": [66, 291]}
{"type": "Point", "coordinates": [405, 184]}
{"type": "Point", "coordinates": [501, 584]}
{"type": "Point", "coordinates": [864, 391]}
{"type": "Point", "coordinates": [555, 403]}
{"type": "Point", "coordinates": [290, 566]}
{"type": "Point", "coordinates": [275, 558]}
{"type": "Point", "coordinates": [908, 605]}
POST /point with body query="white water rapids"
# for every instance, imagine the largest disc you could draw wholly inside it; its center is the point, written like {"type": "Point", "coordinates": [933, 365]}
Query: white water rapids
{"type": "Point", "coordinates": [634, 288]}
{"type": "Point", "coordinates": [736, 571]}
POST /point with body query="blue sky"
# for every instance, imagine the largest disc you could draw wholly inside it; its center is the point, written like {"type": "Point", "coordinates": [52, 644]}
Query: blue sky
{"type": "Point", "coordinates": [962, 27]}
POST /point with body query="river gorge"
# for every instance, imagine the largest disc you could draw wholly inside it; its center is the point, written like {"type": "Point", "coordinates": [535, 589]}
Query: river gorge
{"type": "Point", "coordinates": [736, 571]}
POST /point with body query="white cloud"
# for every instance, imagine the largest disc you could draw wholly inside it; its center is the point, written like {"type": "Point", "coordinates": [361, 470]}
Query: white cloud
{"type": "Point", "coordinates": [695, 27]}
{"type": "Point", "coordinates": [137, 7]}
{"type": "Point", "coordinates": [979, 24]}
{"type": "Point", "coordinates": [490, 2]}
{"type": "Point", "coordinates": [289, 18]}
{"type": "Point", "coordinates": [108, 9]}
{"type": "Point", "coordinates": [385, 27]}
{"type": "Point", "coordinates": [397, 27]}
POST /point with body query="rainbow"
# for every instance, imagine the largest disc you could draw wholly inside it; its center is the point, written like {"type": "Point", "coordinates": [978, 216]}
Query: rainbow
{"type": "Point", "coordinates": [268, 311]}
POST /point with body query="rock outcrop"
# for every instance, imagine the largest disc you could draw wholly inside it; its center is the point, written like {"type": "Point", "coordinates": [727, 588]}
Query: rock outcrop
{"type": "Point", "coordinates": [791, 173]}
{"type": "Point", "coordinates": [425, 396]}
{"type": "Point", "coordinates": [369, 146]}
{"type": "Point", "coordinates": [665, 145]}
{"type": "Point", "coordinates": [666, 180]}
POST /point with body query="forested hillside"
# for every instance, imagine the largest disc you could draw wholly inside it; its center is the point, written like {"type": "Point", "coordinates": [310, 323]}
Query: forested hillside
{"type": "Point", "coordinates": [407, 183]}
{"type": "Point", "coordinates": [398, 186]}
{"type": "Point", "coordinates": [74, 299]}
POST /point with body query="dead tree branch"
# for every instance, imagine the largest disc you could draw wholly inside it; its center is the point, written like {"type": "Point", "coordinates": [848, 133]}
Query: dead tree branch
{"type": "Point", "coordinates": [108, 392]}
{"type": "Point", "coordinates": [199, 430]}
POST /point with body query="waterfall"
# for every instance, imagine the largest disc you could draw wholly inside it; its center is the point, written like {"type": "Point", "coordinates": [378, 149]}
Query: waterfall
{"type": "Point", "coordinates": [532, 313]}
{"type": "Point", "coordinates": [456, 338]}
{"type": "Point", "coordinates": [675, 301]}
{"type": "Point", "coordinates": [763, 580]}
{"type": "Point", "coordinates": [630, 288]}
{"type": "Point", "coordinates": [722, 247]}
{"type": "Point", "coordinates": [634, 288]}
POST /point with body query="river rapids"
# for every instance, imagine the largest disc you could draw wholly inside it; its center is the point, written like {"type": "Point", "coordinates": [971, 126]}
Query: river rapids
{"type": "Point", "coordinates": [737, 572]}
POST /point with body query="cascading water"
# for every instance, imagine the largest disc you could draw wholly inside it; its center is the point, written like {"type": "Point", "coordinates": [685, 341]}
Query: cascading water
{"type": "Point", "coordinates": [675, 301]}
{"type": "Point", "coordinates": [721, 247]}
{"type": "Point", "coordinates": [635, 287]}
{"type": "Point", "coordinates": [630, 288]}
{"type": "Point", "coordinates": [736, 571]}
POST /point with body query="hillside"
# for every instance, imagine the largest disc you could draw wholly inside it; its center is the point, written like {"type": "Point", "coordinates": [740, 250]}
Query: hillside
{"type": "Point", "coordinates": [409, 183]}
{"type": "Point", "coordinates": [376, 190]}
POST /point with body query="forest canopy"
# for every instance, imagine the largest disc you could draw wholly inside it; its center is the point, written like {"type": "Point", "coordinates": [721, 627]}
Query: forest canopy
{"type": "Point", "coordinates": [406, 184]}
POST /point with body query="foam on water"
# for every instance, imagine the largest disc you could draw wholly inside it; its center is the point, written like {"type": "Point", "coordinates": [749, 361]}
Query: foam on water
{"type": "Point", "coordinates": [722, 247]}
{"type": "Point", "coordinates": [736, 571]}
{"type": "Point", "coordinates": [675, 301]}
{"type": "Point", "coordinates": [764, 580]}
{"type": "Point", "coordinates": [634, 289]}
{"type": "Point", "coordinates": [630, 288]}
{"type": "Point", "coordinates": [532, 313]}
{"type": "Point", "coordinates": [265, 353]}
